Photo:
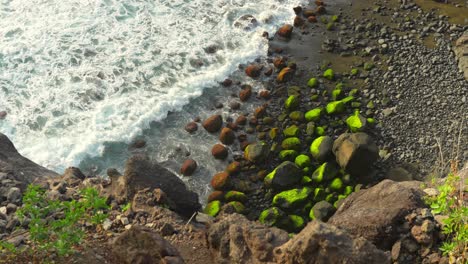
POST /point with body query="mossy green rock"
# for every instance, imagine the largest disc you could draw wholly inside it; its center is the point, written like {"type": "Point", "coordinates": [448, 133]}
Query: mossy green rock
{"type": "Point", "coordinates": [314, 97]}
{"type": "Point", "coordinates": [291, 131]}
{"type": "Point", "coordinates": [356, 122]}
{"type": "Point", "coordinates": [288, 154]}
{"type": "Point", "coordinates": [329, 74]}
{"type": "Point", "coordinates": [335, 107]}
{"type": "Point", "coordinates": [297, 116]}
{"type": "Point", "coordinates": [319, 194]}
{"type": "Point", "coordinates": [296, 223]}
{"type": "Point", "coordinates": [235, 196]}
{"type": "Point", "coordinates": [291, 199]}
{"type": "Point", "coordinates": [302, 161]}
{"type": "Point", "coordinates": [291, 143]}
{"type": "Point", "coordinates": [286, 175]}
{"type": "Point", "coordinates": [337, 94]}
{"type": "Point", "coordinates": [273, 133]}
{"type": "Point", "coordinates": [213, 208]}
{"type": "Point", "coordinates": [348, 190]}
{"type": "Point", "coordinates": [336, 184]}
{"type": "Point", "coordinates": [348, 99]}
{"type": "Point", "coordinates": [294, 90]}
{"type": "Point", "coordinates": [320, 131]}
{"type": "Point", "coordinates": [312, 83]}
{"type": "Point", "coordinates": [238, 207]}
{"type": "Point", "coordinates": [321, 148]}
{"type": "Point", "coordinates": [313, 115]}
{"type": "Point", "coordinates": [322, 211]}
{"type": "Point", "coordinates": [326, 172]}
{"type": "Point", "coordinates": [257, 152]}
{"type": "Point", "coordinates": [271, 216]}
{"type": "Point", "coordinates": [354, 72]}
{"type": "Point", "coordinates": [291, 103]}
{"type": "Point", "coordinates": [306, 180]}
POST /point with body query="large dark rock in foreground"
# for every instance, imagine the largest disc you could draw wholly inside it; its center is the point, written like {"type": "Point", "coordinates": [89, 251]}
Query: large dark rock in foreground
{"type": "Point", "coordinates": [19, 167]}
{"type": "Point", "coordinates": [141, 245]}
{"type": "Point", "coordinates": [377, 213]}
{"type": "Point", "coordinates": [323, 243]}
{"type": "Point", "coordinates": [141, 173]}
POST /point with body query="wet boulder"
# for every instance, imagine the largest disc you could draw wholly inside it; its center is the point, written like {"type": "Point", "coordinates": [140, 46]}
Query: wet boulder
{"type": "Point", "coordinates": [213, 123]}
{"type": "Point", "coordinates": [285, 31]}
{"type": "Point", "coordinates": [286, 175]}
{"type": "Point", "coordinates": [257, 152]}
{"type": "Point", "coordinates": [188, 167]}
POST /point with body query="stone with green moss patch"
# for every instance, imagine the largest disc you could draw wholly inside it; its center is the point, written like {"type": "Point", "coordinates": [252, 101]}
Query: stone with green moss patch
{"type": "Point", "coordinates": [291, 103]}
{"type": "Point", "coordinates": [291, 131]}
{"type": "Point", "coordinates": [312, 83]}
{"type": "Point", "coordinates": [294, 90]}
{"type": "Point", "coordinates": [339, 200]}
{"type": "Point", "coordinates": [238, 207]}
{"type": "Point", "coordinates": [306, 180]}
{"type": "Point", "coordinates": [213, 208]}
{"type": "Point", "coordinates": [348, 190]}
{"type": "Point", "coordinates": [335, 107]}
{"type": "Point", "coordinates": [286, 175]}
{"type": "Point", "coordinates": [356, 122]}
{"type": "Point", "coordinates": [257, 152]}
{"type": "Point", "coordinates": [370, 121]}
{"type": "Point", "coordinates": [329, 74]}
{"type": "Point", "coordinates": [313, 115]}
{"type": "Point", "coordinates": [336, 94]}
{"type": "Point", "coordinates": [368, 66]}
{"type": "Point", "coordinates": [235, 196]}
{"type": "Point", "coordinates": [354, 72]}
{"type": "Point", "coordinates": [321, 148]}
{"type": "Point", "coordinates": [297, 116]}
{"type": "Point", "coordinates": [319, 194]}
{"type": "Point", "coordinates": [331, 198]}
{"type": "Point", "coordinates": [314, 97]}
{"type": "Point", "coordinates": [325, 172]}
{"type": "Point", "coordinates": [330, 26]}
{"type": "Point", "coordinates": [302, 161]}
{"type": "Point", "coordinates": [271, 216]}
{"type": "Point", "coordinates": [291, 143]}
{"type": "Point", "coordinates": [292, 198]}
{"type": "Point", "coordinates": [273, 133]}
{"type": "Point", "coordinates": [336, 184]}
{"type": "Point", "coordinates": [322, 211]}
{"type": "Point", "coordinates": [320, 131]}
{"type": "Point", "coordinates": [288, 154]}
{"type": "Point", "coordinates": [296, 223]}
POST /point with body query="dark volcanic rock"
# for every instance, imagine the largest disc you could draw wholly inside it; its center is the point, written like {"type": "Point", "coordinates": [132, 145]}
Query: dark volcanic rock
{"type": "Point", "coordinates": [22, 169]}
{"type": "Point", "coordinates": [376, 213]}
{"type": "Point", "coordinates": [141, 245]}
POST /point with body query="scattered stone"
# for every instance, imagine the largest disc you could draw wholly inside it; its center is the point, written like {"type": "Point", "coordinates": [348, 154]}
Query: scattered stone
{"type": "Point", "coordinates": [219, 151]}
{"type": "Point", "coordinates": [213, 123]}
{"type": "Point", "coordinates": [285, 31]}
{"type": "Point", "coordinates": [253, 70]}
{"type": "Point", "coordinates": [188, 167]}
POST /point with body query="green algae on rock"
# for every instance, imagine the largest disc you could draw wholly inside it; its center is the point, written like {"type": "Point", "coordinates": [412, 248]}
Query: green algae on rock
{"type": "Point", "coordinates": [238, 207]}
{"type": "Point", "coordinates": [295, 223]}
{"type": "Point", "coordinates": [292, 198]}
{"type": "Point", "coordinates": [286, 175]}
{"type": "Point", "coordinates": [325, 172]}
{"type": "Point", "coordinates": [291, 131]}
{"type": "Point", "coordinates": [271, 216]}
{"type": "Point", "coordinates": [335, 107]}
{"type": "Point", "coordinates": [313, 115]}
{"type": "Point", "coordinates": [257, 152]}
{"type": "Point", "coordinates": [356, 122]}
{"type": "Point", "coordinates": [297, 116]}
{"type": "Point", "coordinates": [302, 161]}
{"type": "Point", "coordinates": [212, 208]}
{"type": "Point", "coordinates": [320, 131]}
{"type": "Point", "coordinates": [291, 103]}
{"type": "Point", "coordinates": [329, 74]}
{"type": "Point", "coordinates": [291, 143]}
{"type": "Point", "coordinates": [312, 83]}
{"type": "Point", "coordinates": [288, 154]}
{"type": "Point", "coordinates": [336, 184]}
{"type": "Point", "coordinates": [235, 196]}
{"type": "Point", "coordinates": [321, 148]}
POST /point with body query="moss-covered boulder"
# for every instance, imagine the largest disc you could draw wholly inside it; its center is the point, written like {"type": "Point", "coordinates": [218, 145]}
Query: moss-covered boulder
{"type": "Point", "coordinates": [325, 172]}
{"type": "Point", "coordinates": [288, 154]}
{"type": "Point", "coordinates": [312, 83]}
{"type": "Point", "coordinates": [233, 168]}
{"type": "Point", "coordinates": [319, 194]}
{"type": "Point", "coordinates": [286, 175]}
{"type": "Point", "coordinates": [291, 199]}
{"type": "Point", "coordinates": [291, 143]}
{"type": "Point", "coordinates": [295, 223]}
{"type": "Point", "coordinates": [322, 211]}
{"type": "Point", "coordinates": [335, 107]}
{"type": "Point", "coordinates": [302, 161]}
{"type": "Point", "coordinates": [313, 115]}
{"type": "Point", "coordinates": [291, 131]}
{"type": "Point", "coordinates": [291, 103]}
{"type": "Point", "coordinates": [257, 152]}
{"type": "Point", "coordinates": [336, 185]}
{"type": "Point", "coordinates": [356, 122]}
{"type": "Point", "coordinates": [348, 190]}
{"type": "Point", "coordinates": [235, 196]}
{"type": "Point", "coordinates": [271, 216]}
{"type": "Point", "coordinates": [337, 94]}
{"type": "Point", "coordinates": [273, 133]}
{"type": "Point", "coordinates": [237, 206]}
{"type": "Point", "coordinates": [322, 148]}
{"type": "Point", "coordinates": [297, 116]}
{"type": "Point", "coordinates": [320, 131]}
{"type": "Point", "coordinates": [329, 74]}
{"type": "Point", "coordinates": [212, 208]}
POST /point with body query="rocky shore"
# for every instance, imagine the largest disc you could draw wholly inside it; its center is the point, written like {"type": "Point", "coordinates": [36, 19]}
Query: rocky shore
{"type": "Point", "coordinates": [363, 104]}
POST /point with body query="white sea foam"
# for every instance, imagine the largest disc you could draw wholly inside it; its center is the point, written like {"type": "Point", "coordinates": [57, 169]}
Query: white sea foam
{"type": "Point", "coordinates": [77, 73]}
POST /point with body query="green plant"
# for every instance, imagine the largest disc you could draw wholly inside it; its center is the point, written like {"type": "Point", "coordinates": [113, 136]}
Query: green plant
{"type": "Point", "coordinates": [449, 202]}
{"type": "Point", "coordinates": [126, 207]}
{"type": "Point", "coordinates": [57, 225]}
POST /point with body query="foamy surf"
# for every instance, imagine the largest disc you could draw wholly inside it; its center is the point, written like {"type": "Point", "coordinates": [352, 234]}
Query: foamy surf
{"type": "Point", "coordinates": [76, 74]}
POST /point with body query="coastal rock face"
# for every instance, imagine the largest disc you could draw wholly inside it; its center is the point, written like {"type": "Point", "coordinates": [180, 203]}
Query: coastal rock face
{"type": "Point", "coordinates": [461, 52]}
{"type": "Point", "coordinates": [141, 173]}
{"type": "Point", "coordinates": [141, 245]}
{"type": "Point", "coordinates": [234, 239]}
{"type": "Point", "coordinates": [322, 243]}
{"type": "Point", "coordinates": [21, 168]}
{"type": "Point", "coordinates": [377, 212]}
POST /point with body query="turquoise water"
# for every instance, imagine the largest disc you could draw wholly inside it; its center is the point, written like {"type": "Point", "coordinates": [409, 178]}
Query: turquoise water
{"type": "Point", "coordinates": [81, 78]}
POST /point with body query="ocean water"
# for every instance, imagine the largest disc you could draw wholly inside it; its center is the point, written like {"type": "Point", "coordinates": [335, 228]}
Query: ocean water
{"type": "Point", "coordinates": [82, 78]}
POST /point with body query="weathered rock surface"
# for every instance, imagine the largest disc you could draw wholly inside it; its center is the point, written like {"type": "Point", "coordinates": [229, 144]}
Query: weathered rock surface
{"type": "Point", "coordinates": [141, 245]}
{"type": "Point", "coordinates": [377, 212]}
{"type": "Point", "coordinates": [22, 169]}
{"type": "Point", "coordinates": [461, 52]}
{"type": "Point", "coordinates": [234, 239]}
{"type": "Point", "coordinates": [213, 123]}
{"type": "Point", "coordinates": [323, 243]}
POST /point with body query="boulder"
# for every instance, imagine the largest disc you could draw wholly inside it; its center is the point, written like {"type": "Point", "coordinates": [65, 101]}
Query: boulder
{"type": "Point", "coordinates": [286, 74]}
{"type": "Point", "coordinates": [377, 212]}
{"type": "Point", "coordinates": [286, 175]}
{"type": "Point", "coordinates": [191, 127]}
{"type": "Point", "coordinates": [227, 136]}
{"type": "Point", "coordinates": [356, 122]}
{"type": "Point", "coordinates": [322, 211]}
{"type": "Point", "coordinates": [188, 167]}
{"type": "Point", "coordinates": [325, 172]}
{"type": "Point", "coordinates": [313, 115]}
{"type": "Point", "coordinates": [234, 239]}
{"type": "Point", "coordinates": [293, 143]}
{"type": "Point", "coordinates": [323, 243]}
{"type": "Point", "coordinates": [20, 168]}
{"type": "Point", "coordinates": [321, 148]}
{"type": "Point", "coordinates": [356, 153]}
{"type": "Point", "coordinates": [220, 181]}
{"type": "Point", "coordinates": [292, 199]}
{"type": "Point", "coordinates": [257, 152]}
{"type": "Point", "coordinates": [245, 93]}
{"type": "Point", "coordinates": [285, 31]}
{"type": "Point", "coordinates": [219, 151]}
{"type": "Point", "coordinates": [213, 123]}
{"type": "Point", "coordinates": [141, 245]}
{"type": "Point", "coordinates": [141, 172]}
{"type": "Point", "coordinates": [253, 70]}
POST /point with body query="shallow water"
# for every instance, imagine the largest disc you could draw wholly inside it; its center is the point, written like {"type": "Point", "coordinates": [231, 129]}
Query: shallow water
{"type": "Point", "coordinates": [82, 78]}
